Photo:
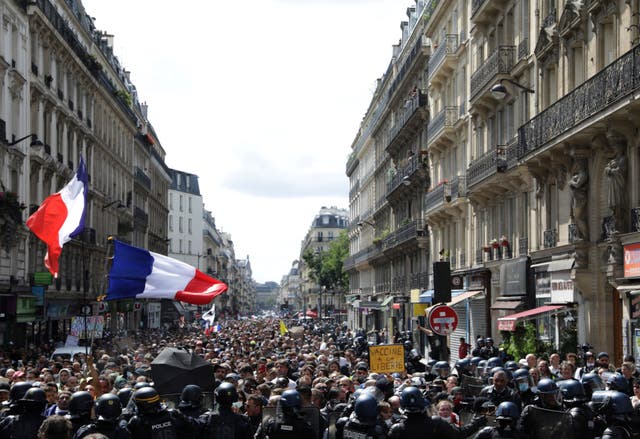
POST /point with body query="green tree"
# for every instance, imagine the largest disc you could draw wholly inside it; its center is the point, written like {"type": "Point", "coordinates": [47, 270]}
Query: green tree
{"type": "Point", "coordinates": [326, 267]}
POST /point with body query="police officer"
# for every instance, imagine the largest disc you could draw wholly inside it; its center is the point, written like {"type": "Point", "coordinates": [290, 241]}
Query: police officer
{"type": "Point", "coordinates": [17, 391]}
{"type": "Point", "coordinates": [222, 422]}
{"type": "Point", "coordinates": [548, 397]}
{"type": "Point", "coordinates": [108, 422]}
{"type": "Point", "coordinates": [292, 425]}
{"type": "Point", "coordinates": [186, 417]}
{"type": "Point", "coordinates": [522, 385]}
{"type": "Point", "coordinates": [80, 405]}
{"type": "Point", "coordinates": [26, 423]}
{"type": "Point", "coordinates": [489, 350]}
{"type": "Point", "coordinates": [363, 422]}
{"type": "Point", "coordinates": [616, 408]}
{"type": "Point", "coordinates": [582, 417]}
{"type": "Point", "coordinates": [152, 420]}
{"type": "Point", "coordinates": [507, 416]}
{"type": "Point", "coordinates": [477, 350]}
{"type": "Point", "coordinates": [417, 423]}
{"type": "Point", "coordinates": [499, 392]}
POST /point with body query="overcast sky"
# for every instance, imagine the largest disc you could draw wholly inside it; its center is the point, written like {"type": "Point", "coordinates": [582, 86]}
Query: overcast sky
{"type": "Point", "coordinates": [261, 99]}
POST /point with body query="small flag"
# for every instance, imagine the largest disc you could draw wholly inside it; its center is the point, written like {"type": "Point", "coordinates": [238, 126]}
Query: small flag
{"type": "Point", "coordinates": [210, 316]}
{"type": "Point", "coordinates": [139, 273]}
{"type": "Point", "coordinates": [61, 217]}
{"type": "Point", "coordinates": [283, 328]}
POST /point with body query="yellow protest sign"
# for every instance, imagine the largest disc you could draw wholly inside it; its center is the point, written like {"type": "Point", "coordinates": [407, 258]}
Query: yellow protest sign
{"type": "Point", "coordinates": [386, 358]}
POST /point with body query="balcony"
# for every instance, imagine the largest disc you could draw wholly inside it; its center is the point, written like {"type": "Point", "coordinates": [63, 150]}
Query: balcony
{"type": "Point", "coordinates": [486, 11]}
{"type": "Point", "coordinates": [354, 190]}
{"type": "Point", "coordinates": [412, 172]}
{"type": "Point", "coordinates": [494, 68]}
{"type": "Point", "coordinates": [523, 246]}
{"type": "Point", "coordinates": [635, 219]}
{"type": "Point", "coordinates": [440, 132]}
{"type": "Point", "coordinates": [419, 280]}
{"type": "Point", "coordinates": [411, 234]}
{"type": "Point", "coordinates": [482, 168]}
{"type": "Point", "coordinates": [407, 123]}
{"type": "Point", "coordinates": [140, 216]}
{"type": "Point", "coordinates": [457, 188]}
{"type": "Point", "coordinates": [595, 96]}
{"type": "Point", "coordinates": [434, 198]}
{"type": "Point", "coordinates": [142, 178]}
{"type": "Point", "coordinates": [523, 49]}
{"type": "Point", "coordinates": [443, 60]}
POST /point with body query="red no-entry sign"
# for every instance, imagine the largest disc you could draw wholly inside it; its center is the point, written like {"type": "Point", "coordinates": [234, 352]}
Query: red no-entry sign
{"type": "Point", "coordinates": [443, 319]}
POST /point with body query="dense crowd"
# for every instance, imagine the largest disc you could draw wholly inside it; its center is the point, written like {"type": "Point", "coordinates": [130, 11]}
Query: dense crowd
{"type": "Point", "coordinates": [315, 380]}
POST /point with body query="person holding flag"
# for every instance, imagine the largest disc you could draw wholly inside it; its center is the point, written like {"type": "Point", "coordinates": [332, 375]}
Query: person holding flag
{"type": "Point", "coordinates": [61, 217]}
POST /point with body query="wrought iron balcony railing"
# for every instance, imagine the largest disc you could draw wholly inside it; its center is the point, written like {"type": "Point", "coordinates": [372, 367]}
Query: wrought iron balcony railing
{"type": "Point", "coordinates": [142, 178]}
{"type": "Point", "coordinates": [412, 105]}
{"type": "Point", "coordinates": [523, 246]}
{"type": "Point", "coordinates": [499, 62]}
{"type": "Point", "coordinates": [523, 48]}
{"type": "Point", "coordinates": [609, 85]}
{"type": "Point", "coordinates": [434, 198]}
{"type": "Point", "coordinates": [448, 45]}
{"type": "Point", "coordinates": [475, 5]}
{"type": "Point", "coordinates": [140, 216]}
{"type": "Point", "coordinates": [485, 166]}
{"type": "Point", "coordinates": [447, 117]}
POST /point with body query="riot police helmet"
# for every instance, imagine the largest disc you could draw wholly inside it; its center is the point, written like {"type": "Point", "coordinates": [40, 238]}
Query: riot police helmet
{"type": "Point", "coordinates": [611, 403]}
{"type": "Point", "coordinates": [147, 400]}
{"type": "Point", "coordinates": [494, 362]}
{"type": "Point", "coordinates": [18, 390]}
{"type": "Point", "coordinates": [108, 407]}
{"type": "Point", "coordinates": [226, 394]}
{"type": "Point", "coordinates": [617, 381]}
{"type": "Point", "coordinates": [511, 365]}
{"type": "Point", "coordinates": [290, 399]}
{"type": "Point", "coordinates": [125, 395]}
{"type": "Point", "coordinates": [572, 391]}
{"type": "Point", "coordinates": [191, 396]}
{"type": "Point", "coordinates": [507, 410]}
{"type": "Point", "coordinates": [366, 407]}
{"type": "Point", "coordinates": [80, 404]}
{"type": "Point", "coordinates": [412, 400]}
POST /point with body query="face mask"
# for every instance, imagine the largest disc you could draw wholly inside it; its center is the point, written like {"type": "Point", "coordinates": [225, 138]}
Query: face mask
{"type": "Point", "coordinates": [523, 387]}
{"type": "Point", "coordinates": [590, 364]}
{"type": "Point", "coordinates": [388, 422]}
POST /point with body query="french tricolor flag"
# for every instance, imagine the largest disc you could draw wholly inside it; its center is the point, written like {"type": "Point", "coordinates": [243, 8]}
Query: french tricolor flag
{"type": "Point", "coordinates": [61, 217]}
{"type": "Point", "coordinates": [141, 274]}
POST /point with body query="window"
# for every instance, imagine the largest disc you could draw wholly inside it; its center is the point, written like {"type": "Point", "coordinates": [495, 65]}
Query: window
{"type": "Point", "coordinates": [181, 204]}
{"type": "Point", "coordinates": [189, 225]}
{"type": "Point", "coordinates": [171, 223]}
{"type": "Point", "coordinates": [189, 245]}
{"type": "Point", "coordinates": [180, 224]}
{"type": "Point", "coordinates": [319, 237]}
{"type": "Point", "coordinates": [330, 235]}
{"type": "Point", "coordinates": [180, 246]}
{"type": "Point", "coordinates": [189, 204]}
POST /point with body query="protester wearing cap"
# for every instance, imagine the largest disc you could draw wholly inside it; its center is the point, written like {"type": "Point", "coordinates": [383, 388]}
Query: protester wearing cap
{"type": "Point", "coordinates": [603, 362]}
{"type": "Point", "coordinates": [589, 365]}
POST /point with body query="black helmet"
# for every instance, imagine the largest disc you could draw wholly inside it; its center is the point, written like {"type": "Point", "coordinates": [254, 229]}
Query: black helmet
{"type": "Point", "coordinates": [507, 411]}
{"type": "Point", "coordinates": [282, 383]}
{"type": "Point", "coordinates": [611, 402]}
{"type": "Point", "coordinates": [412, 400]}
{"type": "Point", "coordinates": [408, 345]}
{"type": "Point", "coordinates": [511, 365]}
{"type": "Point", "coordinates": [191, 397]}
{"type": "Point", "coordinates": [124, 395]}
{"type": "Point", "coordinates": [80, 404]}
{"type": "Point", "coordinates": [18, 390]}
{"type": "Point", "coordinates": [546, 385]}
{"type": "Point", "coordinates": [442, 368]}
{"type": "Point", "coordinates": [617, 381]}
{"type": "Point", "coordinates": [108, 407]}
{"type": "Point", "coordinates": [591, 383]}
{"type": "Point", "coordinates": [572, 391]}
{"type": "Point", "coordinates": [494, 362]}
{"type": "Point", "coordinates": [366, 407]}
{"type": "Point", "coordinates": [488, 340]}
{"type": "Point", "coordinates": [475, 360]}
{"type": "Point", "coordinates": [140, 385]}
{"type": "Point", "coordinates": [226, 394]}
{"type": "Point", "coordinates": [480, 341]}
{"type": "Point", "coordinates": [463, 364]}
{"type": "Point", "coordinates": [35, 394]}
{"type": "Point", "coordinates": [290, 399]}
{"type": "Point", "coordinates": [147, 400]}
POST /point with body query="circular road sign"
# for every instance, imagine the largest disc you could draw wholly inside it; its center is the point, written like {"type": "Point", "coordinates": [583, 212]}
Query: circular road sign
{"type": "Point", "coordinates": [443, 319]}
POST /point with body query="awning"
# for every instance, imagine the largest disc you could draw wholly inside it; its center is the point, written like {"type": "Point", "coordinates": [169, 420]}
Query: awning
{"type": "Point", "coordinates": [559, 265]}
{"type": "Point", "coordinates": [506, 304]}
{"type": "Point", "coordinates": [508, 323]}
{"type": "Point", "coordinates": [631, 289]}
{"type": "Point", "coordinates": [464, 296]}
{"type": "Point", "coordinates": [387, 300]}
{"type": "Point", "coordinates": [426, 296]}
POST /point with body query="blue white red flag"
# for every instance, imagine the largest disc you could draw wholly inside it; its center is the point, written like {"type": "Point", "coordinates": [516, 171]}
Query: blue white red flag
{"type": "Point", "coordinates": [141, 274]}
{"type": "Point", "coordinates": [61, 217]}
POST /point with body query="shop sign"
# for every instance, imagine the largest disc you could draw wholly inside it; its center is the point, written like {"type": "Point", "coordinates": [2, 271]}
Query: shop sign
{"type": "Point", "coordinates": [562, 287]}
{"type": "Point", "coordinates": [635, 307]}
{"type": "Point", "coordinates": [513, 278]}
{"type": "Point", "coordinates": [632, 260]}
{"type": "Point", "coordinates": [476, 282]}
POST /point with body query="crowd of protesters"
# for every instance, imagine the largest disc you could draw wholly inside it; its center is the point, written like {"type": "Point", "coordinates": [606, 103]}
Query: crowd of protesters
{"type": "Point", "coordinates": [318, 380]}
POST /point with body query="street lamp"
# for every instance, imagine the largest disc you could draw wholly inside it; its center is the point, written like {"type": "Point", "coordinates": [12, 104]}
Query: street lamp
{"type": "Point", "coordinates": [120, 205]}
{"type": "Point", "coordinates": [367, 222]}
{"type": "Point", "coordinates": [499, 91]}
{"type": "Point", "coordinates": [35, 143]}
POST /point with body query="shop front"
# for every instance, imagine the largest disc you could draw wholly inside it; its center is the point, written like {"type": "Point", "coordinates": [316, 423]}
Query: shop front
{"type": "Point", "coordinates": [629, 292]}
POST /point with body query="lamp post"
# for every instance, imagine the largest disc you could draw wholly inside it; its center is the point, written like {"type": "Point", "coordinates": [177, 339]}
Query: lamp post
{"type": "Point", "coordinates": [499, 91]}
{"type": "Point", "coordinates": [35, 143]}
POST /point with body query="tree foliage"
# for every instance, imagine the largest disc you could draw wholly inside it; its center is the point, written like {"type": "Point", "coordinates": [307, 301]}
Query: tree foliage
{"type": "Point", "coordinates": [326, 267]}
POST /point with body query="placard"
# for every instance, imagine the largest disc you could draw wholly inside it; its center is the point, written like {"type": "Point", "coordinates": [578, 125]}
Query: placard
{"type": "Point", "coordinates": [387, 358]}
{"type": "Point", "coordinates": [95, 326]}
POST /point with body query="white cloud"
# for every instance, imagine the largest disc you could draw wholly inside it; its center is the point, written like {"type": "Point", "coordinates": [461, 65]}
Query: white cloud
{"type": "Point", "coordinates": [261, 99]}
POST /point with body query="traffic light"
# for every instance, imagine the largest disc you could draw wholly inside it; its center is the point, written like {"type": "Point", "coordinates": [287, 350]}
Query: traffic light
{"type": "Point", "coordinates": [441, 282]}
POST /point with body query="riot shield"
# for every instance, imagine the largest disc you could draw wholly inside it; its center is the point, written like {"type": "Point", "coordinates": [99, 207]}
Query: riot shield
{"type": "Point", "coordinates": [310, 414]}
{"type": "Point", "coordinates": [550, 424]}
{"type": "Point", "coordinates": [331, 425]}
{"type": "Point", "coordinates": [471, 386]}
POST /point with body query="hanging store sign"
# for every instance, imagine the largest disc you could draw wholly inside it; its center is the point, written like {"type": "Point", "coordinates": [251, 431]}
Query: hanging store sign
{"type": "Point", "coordinates": [632, 260]}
